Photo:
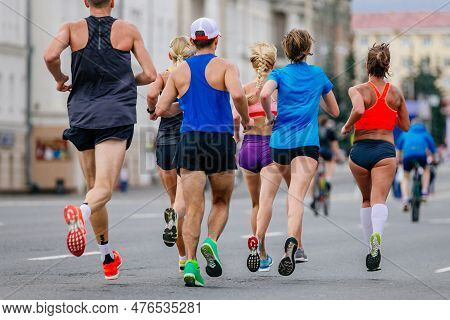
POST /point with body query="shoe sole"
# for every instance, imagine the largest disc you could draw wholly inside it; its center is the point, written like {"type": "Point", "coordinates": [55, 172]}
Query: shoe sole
{"type": "Point", "coordinates": [116, 276]}
{"type": "Point", "coordinates": [301, 260]}
{"type": "Point", "coordinates": [253, 260]}
{"type": "Point", "coordinates": [170, 236]}
{"type": "Point", "coordinates": [190, 281]}
{"type": "Point", "coordinates": [76, 237]}
{"type": "Point", "coordinates": [287, 264]}
{"type": "Point", "coordinates": [213, 267]}
{"type": "Point", "coordinates": [373, 262]}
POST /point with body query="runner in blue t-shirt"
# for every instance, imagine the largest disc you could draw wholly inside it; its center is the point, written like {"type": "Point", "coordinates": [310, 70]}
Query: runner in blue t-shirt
{"type": "Point", "coordinates": [295, 137]}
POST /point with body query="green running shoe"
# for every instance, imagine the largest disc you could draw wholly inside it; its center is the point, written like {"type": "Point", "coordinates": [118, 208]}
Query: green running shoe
{"type": "Point", "coordinates": [192, 276]}
{"type": "Point", "coordinates": [373, 259]}
{"type": "Point", "coordinates": [209, 251]}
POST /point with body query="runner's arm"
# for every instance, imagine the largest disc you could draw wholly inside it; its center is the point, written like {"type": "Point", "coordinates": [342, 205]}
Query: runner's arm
{"type": "Point", "coordinates": [331, 106]}
{"type": "Point", "coordinates": [52, 57]}
{"type": "Point", "coordinates": [234, 87]}
{"type": "Point", "coordinates": [166, 106]}
{"type": "Point", "coordinates": [148, 74]}
{"type": "Point", "coordinates": [154, 91]}
{"type": "Point", "coordinates": [357, 110]}
{"type": "Point", "coordinates": [403, 121]}
{"type": "Point", "coordinates": [266, 98]}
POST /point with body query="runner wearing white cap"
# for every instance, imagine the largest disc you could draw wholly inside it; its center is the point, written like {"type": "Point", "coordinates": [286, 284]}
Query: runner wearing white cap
{"type": "Point", "coordinates": [203, 85]}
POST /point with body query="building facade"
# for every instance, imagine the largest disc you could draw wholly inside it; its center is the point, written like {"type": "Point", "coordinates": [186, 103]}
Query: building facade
{"type": "Point", "coordinates": [417, 39]}
{"type": "Point", "coordinates": [242, 22]}
{"type": "Point", "coordinates": [13, 93]}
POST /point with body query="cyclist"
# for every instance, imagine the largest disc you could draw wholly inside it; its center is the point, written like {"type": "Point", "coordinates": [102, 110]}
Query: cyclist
{"type": "Point", "coordinates": [414, 147]}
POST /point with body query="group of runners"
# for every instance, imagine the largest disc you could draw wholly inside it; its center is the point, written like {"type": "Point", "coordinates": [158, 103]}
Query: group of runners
{"type": "Point", "coordinates": [199, 128]}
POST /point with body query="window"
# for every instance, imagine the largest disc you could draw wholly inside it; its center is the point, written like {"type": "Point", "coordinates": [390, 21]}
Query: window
{"type": "Point", "coordinates": [446, 39]}
{"type": "Point", "coordinates": [406, 41]}
{"type": "Point", "coordinates": [447, 62]}
{"type": "Point", "coordinates": [407, 62]}
{"type": "Point", "coordinates": [280, 26]}
{"type": "Point", "coordinates": [426, 40]}
{"type": "Point", "coordinates": [364, 41]}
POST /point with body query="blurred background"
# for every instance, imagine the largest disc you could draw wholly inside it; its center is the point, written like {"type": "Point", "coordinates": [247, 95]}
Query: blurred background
{"type": "Point", "coordinates": [33, 115]}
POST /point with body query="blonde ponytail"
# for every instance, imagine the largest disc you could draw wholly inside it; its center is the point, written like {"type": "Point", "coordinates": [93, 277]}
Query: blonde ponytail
{"type": "Point", "coordinates": [263, 58]}
{"type": "Point", "coordinates": [181, 49]}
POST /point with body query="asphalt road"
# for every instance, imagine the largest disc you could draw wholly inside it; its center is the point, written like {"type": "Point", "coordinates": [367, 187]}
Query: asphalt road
{"type": "Point", "coordinates": [416, 261]}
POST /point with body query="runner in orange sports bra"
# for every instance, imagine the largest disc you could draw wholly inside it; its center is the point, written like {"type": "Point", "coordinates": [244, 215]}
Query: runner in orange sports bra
{"type": "Point", "coordinates": [377, 107]}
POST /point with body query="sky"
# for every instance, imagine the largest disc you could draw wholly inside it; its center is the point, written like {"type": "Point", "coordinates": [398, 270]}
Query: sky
{"type": "Point", "coordinates": [398, 5]}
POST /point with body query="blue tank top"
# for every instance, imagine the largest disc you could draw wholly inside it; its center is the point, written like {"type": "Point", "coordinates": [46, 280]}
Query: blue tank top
{"type": "Point", "coordinates": [104, 91]}
{"type": "Point", "coordinates": [205, 109]}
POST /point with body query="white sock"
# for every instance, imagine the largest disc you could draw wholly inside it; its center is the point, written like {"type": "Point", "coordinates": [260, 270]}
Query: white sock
{"type": "Point", "coordinates": [104, 250]}
{"type": "Point", "coordinates": [86, 212]}
{"type": "Point", "coordinates": [379, 217]}
{"type": "Point", "coordinates": [366, 223]}
{"type": "Point", "coordinates": [182, 258]}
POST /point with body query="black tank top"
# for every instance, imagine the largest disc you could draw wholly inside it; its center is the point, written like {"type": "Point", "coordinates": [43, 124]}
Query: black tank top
{"type": "Point", "coordinates": [104, 91]}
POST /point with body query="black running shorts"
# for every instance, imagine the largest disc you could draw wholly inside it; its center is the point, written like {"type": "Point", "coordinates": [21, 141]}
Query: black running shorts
{"type": "Point", "coordinates": [165, 156]}
{"type": "Point", "coordinates": [285, 156]}
{"type": "Point", "coordinates": [87, 139]}
{"type": "Point", "coordinates": [211, 152]}
{"type": "Point", "coordinates": [367, 153]}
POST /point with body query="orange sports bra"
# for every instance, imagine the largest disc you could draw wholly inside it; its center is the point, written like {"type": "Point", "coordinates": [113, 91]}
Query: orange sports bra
{"type": "Point", "coordinates": [380, 115]}
{"type": "Point", "coordinates": [257, 110]}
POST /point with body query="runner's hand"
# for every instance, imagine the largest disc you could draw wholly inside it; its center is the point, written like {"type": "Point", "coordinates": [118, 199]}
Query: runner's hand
{"type": "Point", "coordinates": [153, 116]}
{"type": "Point", "coordinates": [61, 85]}
{"type": "Point", "coordinates": [346, 130]}
{"type": "Point", "coordinates": [270, 120]}
{"type": "Point", "coordinates": [237, 137]}
{"type": "Point", "coordinates": [249, 125]}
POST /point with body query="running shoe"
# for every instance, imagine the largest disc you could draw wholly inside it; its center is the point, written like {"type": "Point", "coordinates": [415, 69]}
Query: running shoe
{"type": "Point", "coordinates": [170, 235]}
{"type": "Point", "coordinates": [406, 206]}
{"type": "Point", "coordinates": [287, 264]}
{"type": "Point", "coordinates": [253, 260]}
{"type": "Point", "coordinates": [181, 265]}
{"type": "Point", "coordinates": [209, 251]}
{"type": "Point", "coordinates": [192, 276]}
{"type": "Point", "coordinates": [300, 256]}
{"type": "Point", "coordinates": [373, 259]}
{"type": "Point", "coordinates": [266, 264]}
{"type": "Point", "coordinates": [111, 270]}
{"type": "Point", "coordinates": [76, 238]}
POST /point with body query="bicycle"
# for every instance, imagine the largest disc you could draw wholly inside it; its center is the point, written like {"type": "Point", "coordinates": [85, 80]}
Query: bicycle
{"type": "Point", "coordinates": [321, 191]}
{"type": "Point", "coordinates": [416, 192]}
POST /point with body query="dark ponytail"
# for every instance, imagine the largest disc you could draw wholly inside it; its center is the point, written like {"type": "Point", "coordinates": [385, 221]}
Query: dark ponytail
{"type": "Point", "coordinates": [379, 60]}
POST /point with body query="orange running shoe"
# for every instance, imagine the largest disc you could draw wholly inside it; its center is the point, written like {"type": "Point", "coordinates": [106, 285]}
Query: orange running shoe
{"type": "Point", "coordinates": [76, 238]}
{"type": "Point", "coordinates": [112, 269]}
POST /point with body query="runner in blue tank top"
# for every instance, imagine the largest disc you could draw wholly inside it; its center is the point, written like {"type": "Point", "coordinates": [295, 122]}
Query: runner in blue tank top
{"type": "Point", "coordinates": [204, 84]}
{"type": "Point", "coordinates": [102, 113]}
{"type": "Point", "coordinates": [295, 137]}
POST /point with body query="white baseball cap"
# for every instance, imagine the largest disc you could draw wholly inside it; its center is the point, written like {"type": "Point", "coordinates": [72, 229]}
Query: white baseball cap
{"type": "Point", "coordinates": [208, 28]}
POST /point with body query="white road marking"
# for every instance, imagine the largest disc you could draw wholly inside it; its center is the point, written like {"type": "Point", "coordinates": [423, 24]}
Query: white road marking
{"type": "Point", "coordinates": [146, 216]}
{"type": "Point", "coordinates": [268, 235]}
{"type": "Point", "coordinates": [440, 221]}
{"type": "Point", "coordinates": [442, 270]}
{"type": "Point", "coordinates": [63, 256]}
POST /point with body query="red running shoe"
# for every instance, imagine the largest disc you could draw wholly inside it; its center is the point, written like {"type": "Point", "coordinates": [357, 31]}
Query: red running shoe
{"type": "Point", "coordinates": [76, 238]}
{"type": "Point", "coordinates": [253, 260]}
{"type": "Point", "coordinates": [112, 269]}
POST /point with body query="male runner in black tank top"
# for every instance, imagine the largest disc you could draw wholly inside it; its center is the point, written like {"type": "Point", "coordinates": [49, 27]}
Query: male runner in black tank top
{"type": "Point", "coordinates": [102, 113]}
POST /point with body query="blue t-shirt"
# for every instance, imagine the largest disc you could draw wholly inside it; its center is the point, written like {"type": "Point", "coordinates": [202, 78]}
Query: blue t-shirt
{"type": "Point", "coordinates": [300, 87]}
